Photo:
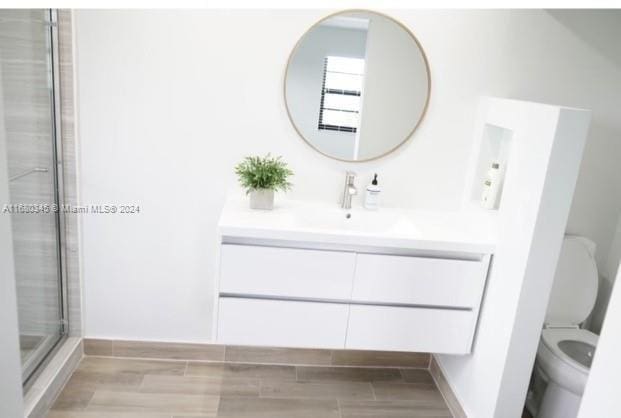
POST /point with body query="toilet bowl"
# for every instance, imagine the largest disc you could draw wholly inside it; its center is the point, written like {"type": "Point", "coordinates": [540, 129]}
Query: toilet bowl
{"type": "Point", "coordinates": [565, 351]}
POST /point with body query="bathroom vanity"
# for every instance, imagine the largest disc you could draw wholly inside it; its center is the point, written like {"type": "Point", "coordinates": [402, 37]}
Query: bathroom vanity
{"type": "Point", "coordinates": [316, 276]}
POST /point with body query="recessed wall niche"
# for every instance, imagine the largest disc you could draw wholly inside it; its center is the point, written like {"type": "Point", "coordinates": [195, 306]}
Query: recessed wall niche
{"type": "Point", "coordinates": [495, 148]}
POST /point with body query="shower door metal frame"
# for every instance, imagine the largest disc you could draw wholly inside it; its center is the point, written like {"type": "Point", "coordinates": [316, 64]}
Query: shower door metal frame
{"type": "Point", "coordinates": [29, 374]}
{"type": "Point", "coordinates": [58, 173]}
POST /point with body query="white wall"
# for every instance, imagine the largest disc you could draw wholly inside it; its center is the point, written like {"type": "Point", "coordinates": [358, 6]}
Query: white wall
{"type": "Point", "coordinates": [305, 79]}
{"type": "Point", "coordinates": [167, 108]}
{"type": "Point", "coordinates": [395, 88]}
{"type": "Point", "coordinates": [606, 282]}
{"type": "Point", "coordinates": [597, 205]}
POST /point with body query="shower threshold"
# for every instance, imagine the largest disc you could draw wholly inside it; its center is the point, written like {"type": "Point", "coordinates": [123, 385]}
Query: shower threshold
{"type": "Point", "coordinates": [32, 349]}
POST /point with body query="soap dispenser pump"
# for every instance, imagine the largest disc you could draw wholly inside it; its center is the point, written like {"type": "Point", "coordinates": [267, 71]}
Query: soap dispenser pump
{"type": "Point", "coordinates": [371, 200]}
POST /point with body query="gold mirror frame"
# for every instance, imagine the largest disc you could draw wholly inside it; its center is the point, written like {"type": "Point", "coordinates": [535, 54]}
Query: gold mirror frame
{"type": "Point", "coordinates": [422, 51]}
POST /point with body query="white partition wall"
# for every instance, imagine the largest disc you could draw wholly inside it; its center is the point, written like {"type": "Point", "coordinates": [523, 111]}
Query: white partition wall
{"type": "Point", "coordinates": [541, 148]}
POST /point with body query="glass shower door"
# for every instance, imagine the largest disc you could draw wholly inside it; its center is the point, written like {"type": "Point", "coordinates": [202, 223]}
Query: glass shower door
{"type": "Point", "coordinates": [27, 70]}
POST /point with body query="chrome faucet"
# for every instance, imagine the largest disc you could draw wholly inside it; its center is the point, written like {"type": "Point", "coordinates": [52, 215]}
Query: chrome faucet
{"type": "Point", "coordinates": [349, 190]}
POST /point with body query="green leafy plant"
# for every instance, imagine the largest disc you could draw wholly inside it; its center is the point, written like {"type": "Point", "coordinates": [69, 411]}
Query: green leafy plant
{"type": "Point", "coordinates": [263, 173]}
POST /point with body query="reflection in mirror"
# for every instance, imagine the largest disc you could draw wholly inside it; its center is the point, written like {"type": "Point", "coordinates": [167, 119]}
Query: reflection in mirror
{"type": "Point", "coordinates": [357, 85]}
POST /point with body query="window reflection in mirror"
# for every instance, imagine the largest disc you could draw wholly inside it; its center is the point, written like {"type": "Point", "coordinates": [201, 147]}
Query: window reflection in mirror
{"type": "Point", "coordinates": [341, 92]}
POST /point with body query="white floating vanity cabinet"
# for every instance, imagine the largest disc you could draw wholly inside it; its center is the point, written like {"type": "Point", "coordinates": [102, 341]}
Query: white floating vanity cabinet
{"type": "Point", "coordinates": [299, 287]}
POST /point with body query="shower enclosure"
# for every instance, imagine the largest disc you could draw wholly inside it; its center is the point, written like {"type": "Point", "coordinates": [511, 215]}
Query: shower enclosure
{"type": "Point", "coordinates": [29, 103]}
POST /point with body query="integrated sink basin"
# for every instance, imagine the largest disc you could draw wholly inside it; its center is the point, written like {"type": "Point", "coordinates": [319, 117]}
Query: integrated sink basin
{"type": "Point", "coordinates": [355, 220]}
{"type": "Point", "coordinates": [325, 224]}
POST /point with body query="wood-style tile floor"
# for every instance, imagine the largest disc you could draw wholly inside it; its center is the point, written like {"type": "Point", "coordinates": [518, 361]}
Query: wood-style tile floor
{"type": "Point", "coordinates": [107, 387]}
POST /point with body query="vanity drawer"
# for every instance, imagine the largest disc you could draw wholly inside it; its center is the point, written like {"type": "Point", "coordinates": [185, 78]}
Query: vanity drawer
{"type": "Point", "coordinates": [279, 323]}
{"type": "Point", "coordinates": [286, 272]}
{"type": "Point", "coordinates": [419, 280]}
{"type": "Point", "coordinates": [447, 331]}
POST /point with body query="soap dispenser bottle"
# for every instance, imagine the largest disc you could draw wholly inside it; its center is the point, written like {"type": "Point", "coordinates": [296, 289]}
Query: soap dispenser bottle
{"type": "Point", "coordinates": [371, 200]}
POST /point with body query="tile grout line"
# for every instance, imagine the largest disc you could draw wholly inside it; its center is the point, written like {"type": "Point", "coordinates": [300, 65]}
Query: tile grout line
{"type": "Point", "coordinates": [338, 408]}
{"type": "Point", "coordinates": [88, 404]}
{"type": "Point", "coordinates": [373, 391]}
{"type": "Point", "coordinates": [217, 406]}
{"type": "Point", "coordinates": [141, 385]}
{"type": "Point", "coordinates": [259, 388]}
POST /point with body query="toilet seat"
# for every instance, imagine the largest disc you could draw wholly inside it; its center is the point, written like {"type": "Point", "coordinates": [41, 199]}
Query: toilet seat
{"type": "Point", "coordinates": [551, 338]}
{"type": "Point", "coordinates": [572, 298]}
{"type": "Point", "coordinates": [558, 366]}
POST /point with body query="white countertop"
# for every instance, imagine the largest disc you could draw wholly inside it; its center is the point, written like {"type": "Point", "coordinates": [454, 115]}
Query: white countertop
{"type": "Point", "coordinates": [316, 222]}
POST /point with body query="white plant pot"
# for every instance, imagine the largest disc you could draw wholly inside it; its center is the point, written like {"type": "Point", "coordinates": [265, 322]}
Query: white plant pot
{"type": "Point", "coordinates": [262, 199]}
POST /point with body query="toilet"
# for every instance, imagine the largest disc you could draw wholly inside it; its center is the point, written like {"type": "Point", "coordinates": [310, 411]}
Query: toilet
{"type": "Point", "coordinates": [565, 351]}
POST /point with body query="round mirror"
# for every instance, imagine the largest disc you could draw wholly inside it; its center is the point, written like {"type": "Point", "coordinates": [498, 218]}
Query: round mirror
{"type": "Point", "coordinates": [357, 85]}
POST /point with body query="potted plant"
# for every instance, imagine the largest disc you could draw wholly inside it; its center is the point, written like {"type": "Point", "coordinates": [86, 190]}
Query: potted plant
{"type": "Point", "coordinates": [261, 177]}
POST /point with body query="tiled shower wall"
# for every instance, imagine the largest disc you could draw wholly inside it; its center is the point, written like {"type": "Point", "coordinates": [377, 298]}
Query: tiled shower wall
{"type": "Point", "coordinates": [28, 125]}
{"type": "Point", "coordinates": [26, 103]}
